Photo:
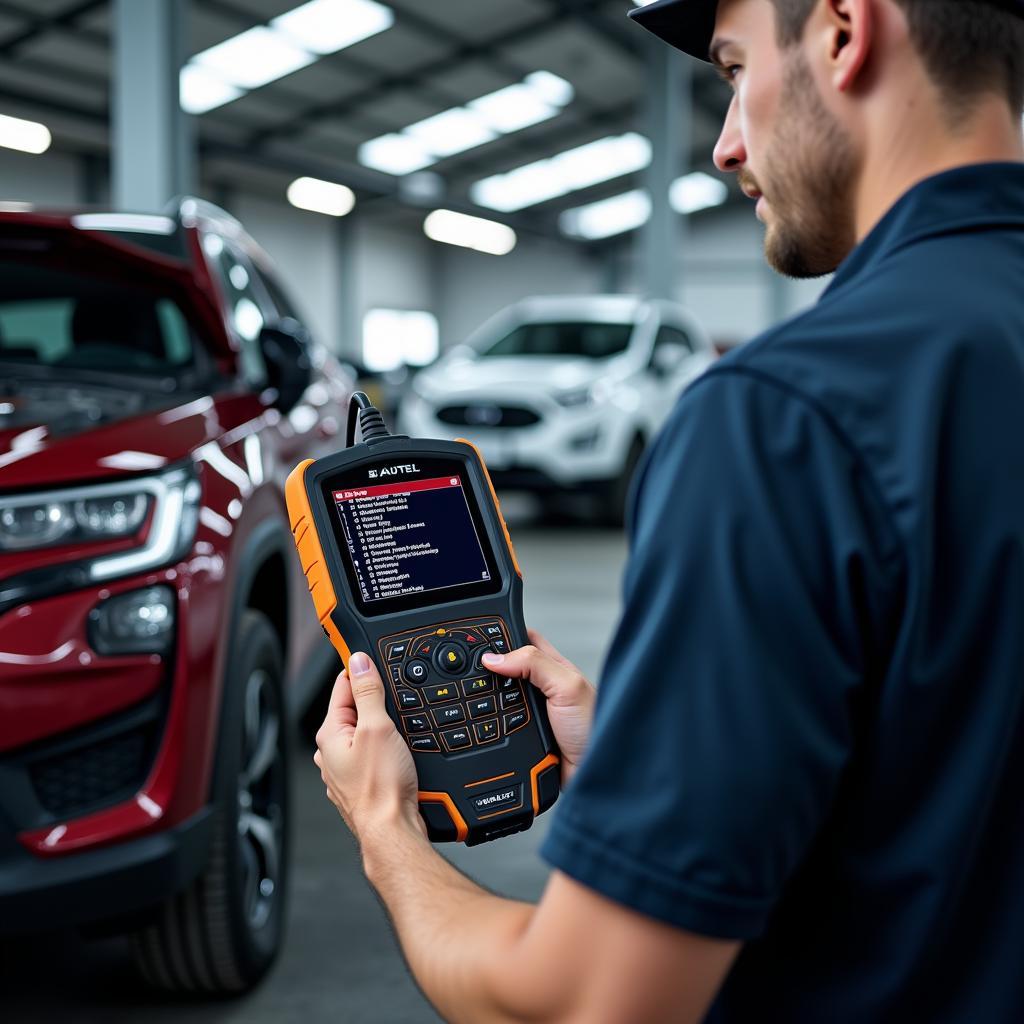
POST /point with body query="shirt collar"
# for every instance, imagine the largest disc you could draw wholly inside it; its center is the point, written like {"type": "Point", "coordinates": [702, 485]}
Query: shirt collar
{"type": "Point", "coordinates": [965, 198]}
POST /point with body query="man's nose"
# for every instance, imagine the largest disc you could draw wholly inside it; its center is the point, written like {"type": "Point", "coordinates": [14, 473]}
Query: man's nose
{"type": "Point", "coordinates": [730, 153]}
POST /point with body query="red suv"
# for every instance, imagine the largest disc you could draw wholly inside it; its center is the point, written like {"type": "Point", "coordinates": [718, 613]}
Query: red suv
{"type": "Point", "coordinates": [155, 638]}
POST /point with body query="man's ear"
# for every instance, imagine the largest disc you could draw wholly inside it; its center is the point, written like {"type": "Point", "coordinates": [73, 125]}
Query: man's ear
{"type": "Point", "coordinates": [850, 30]}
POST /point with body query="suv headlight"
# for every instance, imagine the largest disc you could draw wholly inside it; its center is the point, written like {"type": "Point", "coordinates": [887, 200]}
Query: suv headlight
{"type": "Point", "coordinates": [592, 394]}
{"type": "Point", "coordinates": [575, 398]}
{"type": "Point", "coordinates": [111, 511]}
{"type": "Point", "coordinates": [35, 522]}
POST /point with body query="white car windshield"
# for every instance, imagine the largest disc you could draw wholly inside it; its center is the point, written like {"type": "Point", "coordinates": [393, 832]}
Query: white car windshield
{"type": "Point", "coordinates": [583, 339]}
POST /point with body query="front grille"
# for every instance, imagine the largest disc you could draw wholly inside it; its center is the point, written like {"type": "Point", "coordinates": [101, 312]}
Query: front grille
{"type": "Point", "coordinates": [100, 773]}
{"type": "Point", "coordinates": [488, 415]}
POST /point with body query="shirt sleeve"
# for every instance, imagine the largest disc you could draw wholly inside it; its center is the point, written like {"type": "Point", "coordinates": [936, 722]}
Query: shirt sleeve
{"type": "Point", "coordinates": [756, 602]}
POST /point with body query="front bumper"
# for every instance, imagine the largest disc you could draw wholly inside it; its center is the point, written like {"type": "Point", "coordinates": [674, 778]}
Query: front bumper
{"type": "Point", "coordinates": [567, 450]}
{"type": "Point", "coordinates": [40, 894]}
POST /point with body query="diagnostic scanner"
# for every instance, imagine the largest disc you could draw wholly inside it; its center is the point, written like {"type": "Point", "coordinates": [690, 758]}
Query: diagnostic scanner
{"type": "Point", "coordinates": [408, 558]}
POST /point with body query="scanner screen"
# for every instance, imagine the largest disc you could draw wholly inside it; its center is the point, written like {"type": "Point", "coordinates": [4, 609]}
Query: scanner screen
{"type": "Point", "coordinates": [409, 538]}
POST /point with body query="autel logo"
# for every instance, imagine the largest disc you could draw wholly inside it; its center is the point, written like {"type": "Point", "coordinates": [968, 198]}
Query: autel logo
{"type": "Point", "coordinates": [394, 470]}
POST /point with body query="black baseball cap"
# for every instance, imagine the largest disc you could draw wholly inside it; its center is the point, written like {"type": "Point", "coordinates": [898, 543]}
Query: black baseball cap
{"type": "Point", "coordinates": [689, 25]}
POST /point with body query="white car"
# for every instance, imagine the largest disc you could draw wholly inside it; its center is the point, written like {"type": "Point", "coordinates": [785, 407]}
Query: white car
{"type": "Point", "coordinates": [562, 394]}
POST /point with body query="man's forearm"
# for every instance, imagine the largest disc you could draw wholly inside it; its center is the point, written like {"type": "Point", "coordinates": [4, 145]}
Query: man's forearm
{"type": "Point", "coordinates": [461, 942]}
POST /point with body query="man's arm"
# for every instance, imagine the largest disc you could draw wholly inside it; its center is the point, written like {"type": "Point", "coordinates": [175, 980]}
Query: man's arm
{"type": "Point", "coordinates": [575, 957]}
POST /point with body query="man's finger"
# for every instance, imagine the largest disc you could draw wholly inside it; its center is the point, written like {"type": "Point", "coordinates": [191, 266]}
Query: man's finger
{"type": "Point", "coordinates": [366, 688]}
{"type": "Point", "coordinates": [551, 677]}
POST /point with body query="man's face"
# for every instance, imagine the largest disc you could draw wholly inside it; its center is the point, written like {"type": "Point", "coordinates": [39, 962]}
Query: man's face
{"type": "Point", "coordinates": [791, 153]}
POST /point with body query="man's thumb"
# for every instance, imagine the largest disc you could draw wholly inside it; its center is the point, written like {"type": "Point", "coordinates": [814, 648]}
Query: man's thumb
{"type": "Point", "coordinates": [367, 688]}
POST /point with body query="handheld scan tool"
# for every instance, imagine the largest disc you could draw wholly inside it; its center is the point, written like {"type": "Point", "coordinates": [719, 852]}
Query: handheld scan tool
{"type": "Point", "coordinates": [408, 558]}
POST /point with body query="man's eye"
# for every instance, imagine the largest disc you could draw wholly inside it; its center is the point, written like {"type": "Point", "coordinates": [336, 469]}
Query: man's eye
{"type": "Point", "coordinates": [732, 70]}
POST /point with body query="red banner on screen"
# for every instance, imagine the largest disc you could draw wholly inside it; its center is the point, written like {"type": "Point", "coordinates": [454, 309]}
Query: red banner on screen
{"type": "Point", "coordinates": [379, 490]}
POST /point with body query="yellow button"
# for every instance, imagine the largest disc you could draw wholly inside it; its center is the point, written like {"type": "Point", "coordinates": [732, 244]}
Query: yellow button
{"type": "Point", "coordinates": [452, 656]}
{"type": "Point", "coordinates": [441, 632]}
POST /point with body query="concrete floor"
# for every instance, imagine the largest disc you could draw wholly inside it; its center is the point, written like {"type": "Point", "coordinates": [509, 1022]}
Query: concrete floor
{"type": "Point", "coordinates": [340, 962]}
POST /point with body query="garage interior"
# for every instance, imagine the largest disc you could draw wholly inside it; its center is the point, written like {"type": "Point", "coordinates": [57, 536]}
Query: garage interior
{"type": "Point", "coordinates": [323, 148]}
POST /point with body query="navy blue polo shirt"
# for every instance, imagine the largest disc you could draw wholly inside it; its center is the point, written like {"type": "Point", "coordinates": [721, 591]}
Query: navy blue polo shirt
{"type": "Point", "coordinates": [810, 729]}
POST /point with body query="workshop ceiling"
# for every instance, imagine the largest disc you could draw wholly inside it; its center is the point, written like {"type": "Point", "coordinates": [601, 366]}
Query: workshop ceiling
{"type": "Point", "coordinates": [56, 57]}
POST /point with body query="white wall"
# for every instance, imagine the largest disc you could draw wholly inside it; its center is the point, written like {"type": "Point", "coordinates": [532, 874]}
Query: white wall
{"type": "Point", "coordinates": [304, 248]}
{"type": "Point", "coordinates": [474, 286]}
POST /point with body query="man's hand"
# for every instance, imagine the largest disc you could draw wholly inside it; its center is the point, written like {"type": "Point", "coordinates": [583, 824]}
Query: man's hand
{"type": "Point", "coordinates": [569, 695]}
{"type": "Point", "coordinates": [364, 762]}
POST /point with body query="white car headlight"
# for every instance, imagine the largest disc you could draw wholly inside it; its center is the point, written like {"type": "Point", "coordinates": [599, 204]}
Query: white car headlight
{"type": "Point", "coordinates": [576, 398]}
{"type": "Point", "coordinates": [170, 501]}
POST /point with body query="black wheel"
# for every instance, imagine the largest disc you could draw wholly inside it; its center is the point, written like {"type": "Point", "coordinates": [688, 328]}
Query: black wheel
{"type": "Point", "coordinates": [616, 496]}
{"type": "Point", "coordinates": [221, 935]}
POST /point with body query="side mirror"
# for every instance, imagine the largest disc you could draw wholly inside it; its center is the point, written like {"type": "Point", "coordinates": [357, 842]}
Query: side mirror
{"type": "Point", "coordinates": [289, 371]}
{"type": "Point", "coordinates": [666, 358]}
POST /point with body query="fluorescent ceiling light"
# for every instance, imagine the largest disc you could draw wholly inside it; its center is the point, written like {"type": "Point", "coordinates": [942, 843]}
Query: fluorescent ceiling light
{"type": "Point", "coordinates": [321, 196]}
{"type": "Point", "coordinates": [697, 191]}
{"type": "Point", "coordinates": [540, 96]}
{"type": "Point", "coordinates": [452, 131]}
{"type": "Point", "coordinates": [200, 91]}
{"type": "Point", "coordinates": [254, 58]}
{"type": "Point", "coordinates": [326, 26]}
{"type": "Point", "coordinates": [551, 88]}
{"type": "Point", "coordinates": [395, 154]}
{"type": "Point", "coordinates": [470, 232]}
{"type": "Point", "coordinates": [608, 217]}
{"type": "Point", "coordinates": [512, 108]}
{"type": "Point", "coordinates": [24, 136]}
{"type": "Point", "coordinates": [574, 169]}
{"type": "Point", "coordinates": [632, 210]}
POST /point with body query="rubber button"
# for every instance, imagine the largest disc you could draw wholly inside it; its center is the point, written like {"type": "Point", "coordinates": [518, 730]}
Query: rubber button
{"type": "Point", "coordinates": [396, 651]}
{"type": "Point", "coordinates": [478, 684]}
{"type": "Point", "coordinates": [481, 707]}
{"type": "Point", "coordinates": [450, 659]}
{"type": "Point", "coordinates": [416, 723]}
{"type": "Point", "coordinates": [439, 694]}
{"type": "Point", "coordinates": [515, 721]}
{"type": "Point", "coordinates": [409, 699]}
{"type": "Point", "coordinates": [486, 732]}
{"type": "Point", "coordinates": [457, 739]}
{"type": "Point", "coordinates": [416, 672]}
{"type": "Point", "coordinates": [424, 743]}
{"type": "Point", "coordinates": [511, 699]}
{"type": "Point", "coordinates": [449, 715]}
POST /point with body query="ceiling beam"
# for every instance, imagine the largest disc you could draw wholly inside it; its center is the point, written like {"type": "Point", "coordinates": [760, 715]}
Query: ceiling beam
{"type": "Point", "coordinates": [39, 25]}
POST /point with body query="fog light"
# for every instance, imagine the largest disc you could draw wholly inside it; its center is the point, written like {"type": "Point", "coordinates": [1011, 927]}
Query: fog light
{"type": "Point", "coordinates": [139, 622]}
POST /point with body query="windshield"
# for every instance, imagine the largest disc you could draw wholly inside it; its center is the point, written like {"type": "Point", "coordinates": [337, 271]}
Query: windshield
{"type": "Point", "coordinates": [584, 339]}
{"type": "Point", "coordinates": [69, 319]}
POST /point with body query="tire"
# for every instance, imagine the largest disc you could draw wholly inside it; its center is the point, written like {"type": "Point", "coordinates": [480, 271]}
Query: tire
{"type": "Point", "coordinates": [221, 935]}
{"type": "Point", "coordinates": [616, 496]}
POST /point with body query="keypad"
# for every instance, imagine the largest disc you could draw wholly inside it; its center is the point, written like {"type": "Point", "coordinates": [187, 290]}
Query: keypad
{"type": "Point", "coordinates": [454, 711]}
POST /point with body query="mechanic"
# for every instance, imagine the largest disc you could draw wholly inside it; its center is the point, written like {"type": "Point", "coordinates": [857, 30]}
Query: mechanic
{"type": "Point", "coordinates": [801, 796]}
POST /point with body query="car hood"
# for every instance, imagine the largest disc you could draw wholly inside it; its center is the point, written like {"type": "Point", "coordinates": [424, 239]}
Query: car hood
{"type": "Point", "coordinates": [513, 374]}
{"type": "Point", "coordinates": [52, 435]}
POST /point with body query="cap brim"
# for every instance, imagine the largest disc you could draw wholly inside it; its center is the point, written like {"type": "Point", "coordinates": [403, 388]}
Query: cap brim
{"type": "Point", "coordinates": [688, 25]}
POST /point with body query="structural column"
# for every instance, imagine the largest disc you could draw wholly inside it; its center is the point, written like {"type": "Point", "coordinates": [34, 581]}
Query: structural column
{"type": "Point", "coordinates": [153, 149]}
{"type": "Point", "coordinates": [668, 118]}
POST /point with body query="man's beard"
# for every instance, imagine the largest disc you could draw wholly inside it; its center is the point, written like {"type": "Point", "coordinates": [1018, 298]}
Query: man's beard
{"type": "Point", "coordinates": [811, 169]}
